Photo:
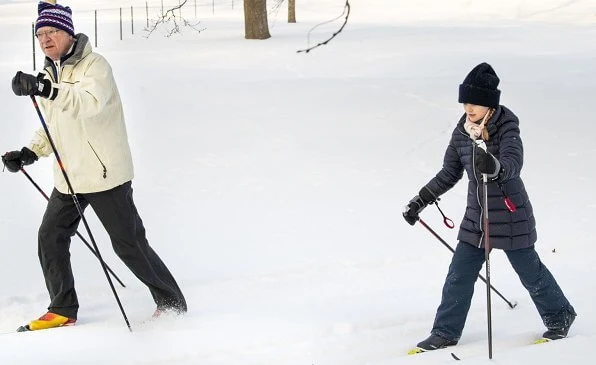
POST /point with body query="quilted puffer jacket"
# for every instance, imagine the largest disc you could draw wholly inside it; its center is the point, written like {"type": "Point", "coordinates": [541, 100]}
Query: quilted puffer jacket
{"type": "Point", "coordinates": [508, 230]}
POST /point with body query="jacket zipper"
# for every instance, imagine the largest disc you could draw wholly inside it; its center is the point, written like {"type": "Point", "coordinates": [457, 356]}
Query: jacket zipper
{"type": "Point", "coordinates": [477, 191]}
{"type": "Point", "coordinates": [54, 73]}
{"type": "Point", "coordinates": [478, 185]}
{"type": "Point", "coordinates": [105, 170]}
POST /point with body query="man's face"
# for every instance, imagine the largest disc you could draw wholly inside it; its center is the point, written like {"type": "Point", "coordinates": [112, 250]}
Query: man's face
{"type": "Point", "coordinates": [54, 42]}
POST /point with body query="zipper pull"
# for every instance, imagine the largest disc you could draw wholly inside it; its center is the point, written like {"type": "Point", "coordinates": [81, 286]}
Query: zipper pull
{"type": "Point", "coordinates": [509, 204]}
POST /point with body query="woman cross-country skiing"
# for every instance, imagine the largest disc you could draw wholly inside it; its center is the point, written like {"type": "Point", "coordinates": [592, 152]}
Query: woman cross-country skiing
{"type": "Point", "coordinates": [512, 227]}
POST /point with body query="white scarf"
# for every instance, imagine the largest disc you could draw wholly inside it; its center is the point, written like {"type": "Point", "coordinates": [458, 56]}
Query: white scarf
{"type": "Point", "coordinates": [475, 130]}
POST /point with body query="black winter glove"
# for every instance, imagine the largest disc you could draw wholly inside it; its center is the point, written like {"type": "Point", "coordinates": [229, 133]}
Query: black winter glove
{"type": "Point", "coordinates": [14, 160]}
{"type": "Point", "coordinates": [486, 163]}
{"type": "Point", "coordinates": [417, 204]}
{"type": "Point", "coordinates": [25, 84]}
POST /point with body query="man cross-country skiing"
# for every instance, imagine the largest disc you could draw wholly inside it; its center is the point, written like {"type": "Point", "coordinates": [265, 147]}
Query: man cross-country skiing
{"type": "Point", "coordinates": [85, 118]}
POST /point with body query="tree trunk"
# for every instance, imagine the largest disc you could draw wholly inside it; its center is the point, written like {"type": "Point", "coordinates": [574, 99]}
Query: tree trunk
{"type": "Point", "coordinates": [291, 11]}
{"type": "Point", "coordinates": [255, 19]}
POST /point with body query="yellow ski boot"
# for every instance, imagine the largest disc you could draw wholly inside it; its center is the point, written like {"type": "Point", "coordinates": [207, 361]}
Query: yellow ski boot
{"type": "Point", "coordinates": [48, 320]}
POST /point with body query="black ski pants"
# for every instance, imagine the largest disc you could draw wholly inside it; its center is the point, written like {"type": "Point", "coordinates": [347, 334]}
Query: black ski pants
{"type": "Point", "coordinates": [116, 210]}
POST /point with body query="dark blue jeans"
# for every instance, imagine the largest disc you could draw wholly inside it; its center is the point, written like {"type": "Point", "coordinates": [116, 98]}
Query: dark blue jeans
{"type": "Point", "coordinates": [465, 266]}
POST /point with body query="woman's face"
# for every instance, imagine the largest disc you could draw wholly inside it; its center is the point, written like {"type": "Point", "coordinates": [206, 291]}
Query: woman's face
{"type": "Point", "coordinates": [475, 113]}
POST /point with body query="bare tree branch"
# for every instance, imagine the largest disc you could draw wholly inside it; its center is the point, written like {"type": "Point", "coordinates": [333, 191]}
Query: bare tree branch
{"type": "Point", "coordinates": [276, 5]}
{"type": "Point", "coordinates": [274, 11]}
{"type": "Point", "coordinates": [175, 21]}
{"type": "Point", "coordinates": [345, 12]}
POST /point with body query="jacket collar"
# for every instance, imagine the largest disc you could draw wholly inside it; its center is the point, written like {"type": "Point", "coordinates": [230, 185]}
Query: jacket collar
{"type": "Point", "coordinates": [80, 49]}
{"type": "Point", "coordinates": [491, 126]}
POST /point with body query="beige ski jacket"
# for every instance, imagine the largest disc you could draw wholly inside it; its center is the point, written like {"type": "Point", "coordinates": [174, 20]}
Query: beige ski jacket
{"type": "Point", "coordinates": [86, 123]}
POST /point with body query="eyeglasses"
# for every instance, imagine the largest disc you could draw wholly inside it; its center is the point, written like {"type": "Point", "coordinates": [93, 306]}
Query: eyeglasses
{"type": "Point", "coordinates": [48, 33]}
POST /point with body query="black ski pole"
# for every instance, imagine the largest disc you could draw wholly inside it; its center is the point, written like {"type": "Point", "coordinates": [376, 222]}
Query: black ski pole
{"type": "Point", "coordinates": [79, 209]}
{"type": "Point", "coordinates": [77, 233]}
{"type": "Point", "coordinates": [487, 266]}
{"type": "Point", "coordinates": [511, 305]}
{"type": "Point", "coordinates": [482, 144]}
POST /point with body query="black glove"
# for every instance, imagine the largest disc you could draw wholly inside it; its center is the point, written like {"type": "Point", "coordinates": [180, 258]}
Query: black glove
{"type": "Point", "coordinates": [486, 163]}
{"type": "Point", "coordinates": [14, 160]}
{"type": "Point", "coordinates": [417, 204]}
{"type": "Point", "coordinates": [25, 84]}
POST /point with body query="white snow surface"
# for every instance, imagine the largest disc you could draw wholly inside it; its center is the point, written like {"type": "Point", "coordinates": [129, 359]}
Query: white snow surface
{"type": "Point", "coordinates": [272, 183]}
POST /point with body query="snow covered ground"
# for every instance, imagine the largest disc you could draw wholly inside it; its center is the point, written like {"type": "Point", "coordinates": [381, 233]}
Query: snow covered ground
{"type": "Point", "coordinates": [272, 183]}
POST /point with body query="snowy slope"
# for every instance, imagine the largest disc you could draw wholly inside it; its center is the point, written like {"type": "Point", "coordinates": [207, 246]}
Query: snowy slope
{"type": "Point", "coordinates": [272, 183]}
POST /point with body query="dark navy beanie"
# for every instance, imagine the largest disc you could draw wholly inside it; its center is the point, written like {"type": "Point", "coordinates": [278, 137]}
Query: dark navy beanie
{"type": "Point", "coordinates": [54, 15]}
{"type": "Point", "coordinates": [480, 87]}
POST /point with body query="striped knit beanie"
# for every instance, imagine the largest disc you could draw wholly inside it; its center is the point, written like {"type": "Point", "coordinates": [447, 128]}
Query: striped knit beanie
{"type": "Point", "coordinates": [54, 15]}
